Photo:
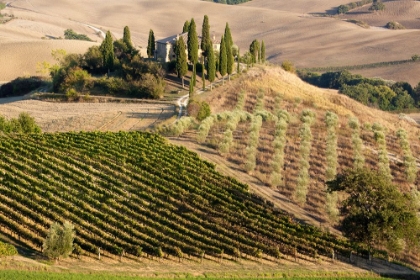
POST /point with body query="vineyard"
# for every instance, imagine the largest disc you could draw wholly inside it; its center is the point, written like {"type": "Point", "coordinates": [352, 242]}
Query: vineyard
{"type": "Point", "coordinates": [297, 138]}
{"type": "Point", "coordinates": [132, 195]}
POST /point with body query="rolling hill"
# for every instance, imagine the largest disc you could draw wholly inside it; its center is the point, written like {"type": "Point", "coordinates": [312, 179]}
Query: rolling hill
{"type": "Point", "coordinates": [258, 127]}
{"type": "Point", "coordinates": [292, 31]}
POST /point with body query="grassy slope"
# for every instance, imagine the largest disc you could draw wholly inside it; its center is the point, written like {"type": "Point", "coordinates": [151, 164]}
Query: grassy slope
{"type": "Point", "coordinates": [296, 96]}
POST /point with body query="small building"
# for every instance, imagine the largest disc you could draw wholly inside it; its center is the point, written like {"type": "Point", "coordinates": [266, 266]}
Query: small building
{"type": "Point", "coordinates": [165, 47]}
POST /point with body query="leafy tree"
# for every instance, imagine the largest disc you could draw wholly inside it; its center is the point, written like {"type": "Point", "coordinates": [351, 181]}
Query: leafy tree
{"type": "Point", "coordinates": [206, 42]}
{"type": "Point", "coordinates": [192, 43]}
{"type": "Point", "coordinates": [377, 5]}
{"type": "Point", "coordinates": [375, 212]}
{"type": "Point", "coordinates": [211, 67]}
{"type": "Point", "coordinates": [127, 38]}
{"type": "Point", "coordinates": [343, 9]}
{"type": "Point", "coordinates": [254, 49]}
{"type": "Point", "coordinates": [93, 61]}
{"type": "Point", "coordinates": [151, 45]}
{"type": "Point", "coordinates": [223, 58]}
{"type": "Point", "coordinates": [262, 51]}
{"type": "Point", "coordinates": [204, 111]}
{"type": "Point", "coordinates": [69, 34]}
{"type": "Point", "coordinates": [59, 241]}
{"type": "Point", "coordinates": [181, 59]}
{"type": "Point", "coordinates": [186, 26]}
{"type": "Point", "coordinates": [107, 50]}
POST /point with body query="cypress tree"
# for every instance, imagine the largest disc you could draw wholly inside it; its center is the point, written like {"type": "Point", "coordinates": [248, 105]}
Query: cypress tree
{"type": "Point", "coordinates": [228, 36]}
{"type": "Point", "coordinates": [203, 77]}
{"type": "Point", "coordinates": [107, 50]}
{"type": "Point", "coordinates": [192, 43]}
{"type": "Point", "coordinates": [205, 36]}
{"type": "Point", "coordinates": [223, 58]}
{"type": "Point", "coordinates": [262, 51]}
{"type": "Point", "coordinates": [254, 50]}
{"type": "Point", "coordinates": [211, 67]}
{"type": "Point", "coordinates": [127, 38]}
{"type": "Point", "coordinates": [194, 75]}
{"type": "Point", "coordinates": [181, 59]}
{"type": "Point", "coordinates": [229, 59]}
{"type": "Point", "coordinates": [186, 26]}
{"type": "Point", "coordinates": [151, 44]}
{"type": "Point", "coordinates": [238, 70]}
{"type": "Point", "coordinates": [259, 55]}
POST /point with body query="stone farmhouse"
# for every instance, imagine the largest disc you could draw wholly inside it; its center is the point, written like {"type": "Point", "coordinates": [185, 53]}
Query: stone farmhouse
{"type": "Point", "coordinates": [165, 47]}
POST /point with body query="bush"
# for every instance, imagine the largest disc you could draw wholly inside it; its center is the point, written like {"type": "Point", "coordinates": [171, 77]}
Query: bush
{"type": "Point", "coordinates": [394, 25]}
{"type": "Point", "coordinates": [69, 34]}
{"type": "Point", "coordinates": [7, 250]}
{"type": "Point", "coordinates": [288, 66]}
{"type": "Point", "coordinates": [342, 9]}
{"type": "Point", "coordinates": [21, 86]}
{"type": "Point", "coordinates": [23, 124]}
{"type": "Point", "coordinates": [204, 111]}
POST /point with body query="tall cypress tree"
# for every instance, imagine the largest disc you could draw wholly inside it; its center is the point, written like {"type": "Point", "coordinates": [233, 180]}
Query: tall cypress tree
{"type": "Point", "coordinates": [181, 59]}
{"type": "Point", "coordinates": [203, 76]}
{"type": "Point", "coordinates": [186, 26]}
{"type": "Point", "coordinates": [223, 58]}
{"type": "Point", "coordinates": [151, 44]}
{"type": "Point", "coordinates": [238, 70]}
{"type": "Point", "coordinates": [228, 36]}
{"type": "Point", "coordinates": [262, 51]}
{"type": "Point", "coordinates": [107, 50]}
{"type": "Point", "coordinates": [127, 38]}
{"type": "Point", "coordinates": [229, 59]}
{"type": "Point", "coordinates": [192, 43]}
{"type": "Point", "coordinates": [254, 49]}
{"type": "Point", "coordinates": [211, 67]}
{"type": "Point", "coordinates": [205, 36]}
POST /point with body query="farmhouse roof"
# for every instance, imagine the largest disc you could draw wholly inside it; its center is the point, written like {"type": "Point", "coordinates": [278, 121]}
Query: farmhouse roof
{"type": "Point", "coordinates": [172, 39]}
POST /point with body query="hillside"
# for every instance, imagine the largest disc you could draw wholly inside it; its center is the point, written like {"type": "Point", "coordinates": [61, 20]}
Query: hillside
{"type": "Point", "coordinates": [270, 94]}
{"type": "Point", "coordinates": [291, 30]}
{"type": "Point", "coordinates": [125, 191]}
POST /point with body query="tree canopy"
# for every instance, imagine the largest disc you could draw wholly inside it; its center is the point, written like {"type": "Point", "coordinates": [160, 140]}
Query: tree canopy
{"type": "Point", "coordinates": [375, 213]}
{"type": "Point", "coordinates": [223, 57]}
{"type": "Point", "coordinates": [186, 26]}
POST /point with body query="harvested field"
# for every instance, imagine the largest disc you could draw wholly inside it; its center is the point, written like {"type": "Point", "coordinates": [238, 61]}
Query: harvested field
{"type": "Point", "coordinates": [89, 116]}
{"type": "Point", "coordinates": [290, 29]}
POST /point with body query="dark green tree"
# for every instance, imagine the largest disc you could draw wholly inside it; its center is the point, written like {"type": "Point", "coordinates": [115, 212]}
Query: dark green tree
{"type": "Point", "coordinates": [229, 59]}
{"type": "Point", "coordinates": [211, 67]}
{"type": "Point", "coordinates": [375, 213]}
{"type": "Point", "coordinates": [194, 75]}
{"type": "Point", "coordinates": [192, 43]}
{"type": "Point", "coordinates": [203, 76]}
{"type": "Point", "coordinates": [151, 44]}
{"type": "Point", "coordinates": [127, 38]}
{"type": "Point", "coordinates": [228, 36]}
{"type": "Point", "coordinates": [205, 36]}
{"type": "Point", "coordinates": [186, 26]}
{"type": "Point", "coordinates": [377, 5]}
{"type": "Point", "coordinates": [262, 51]}
{"type": "Point", "coordinates": [254, 49]}
{"type": "Point", "coordinates": [238, 69]}
{"type": "Point", "coordinates": [223, 58]}
{"type": "Point", "coordinates": [181, 59]}
{"type": "Point", "coordinates": [107, 50]}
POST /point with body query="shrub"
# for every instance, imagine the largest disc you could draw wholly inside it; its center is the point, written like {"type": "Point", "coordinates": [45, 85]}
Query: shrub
{"type": "Point", "coordinates": [359, 159]}
{"type": "Point", "coordinates": [21, 86]}
{"type": "Point", "coordinates": [380, 139]}
{"type": "Point", "coordinates": [342, 9]}
{"type": "Point", "coordinates": [394, 25]}
{"type": "Point", "coordinates": [251, 149]}
{"type": "Point", "coordinates": [279, 144]}
{"type": "Point", "coordinates": [204, 128]}
{"type": "Point", "coordinates": [409, 161]}
{"type": "Point", "coordinates": [69, 34]}
{"type": "Point", "coordinates": [23, 124]}
{"type": "Point", "coordinates": [288, 66]}
{"type": "Point", "coordinates": [7, 250]}
{"type": "Point", "coordinates": [331, 120]}
{"type": "Point", "coordinates": [204, 111]}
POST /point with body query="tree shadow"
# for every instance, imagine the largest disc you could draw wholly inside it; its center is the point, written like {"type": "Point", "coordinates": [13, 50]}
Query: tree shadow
{"type": "Point", "coordinates": [22, 248]}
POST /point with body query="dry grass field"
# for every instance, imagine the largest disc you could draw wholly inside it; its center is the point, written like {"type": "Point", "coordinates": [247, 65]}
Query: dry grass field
{"type": "Point", "coordinates": [289, 28]}
{"type": "Point", "coordinates": [54, 116]}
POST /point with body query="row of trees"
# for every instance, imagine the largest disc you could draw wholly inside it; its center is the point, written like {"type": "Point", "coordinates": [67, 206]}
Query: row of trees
{"type": "Point", "coordinates": [127, 73]}
{"type": "Point", "coordinates": [377, 5]}
{"type": "Point", "coordinates": [375, 92]}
